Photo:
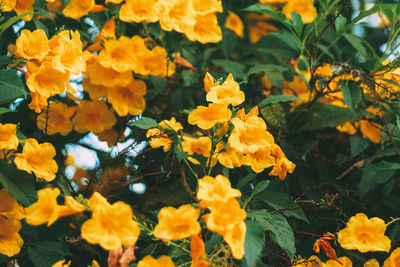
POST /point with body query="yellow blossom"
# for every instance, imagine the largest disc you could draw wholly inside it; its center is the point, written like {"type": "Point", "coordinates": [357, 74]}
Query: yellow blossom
{"type": "Point", "coordinates": [10, 241]}
{"type": "Point", "coordinates": [111, 226]}
{"type": "Point", "coordinates": [8, 136]}
{"type": "Point", "coordinates": [9, 207]}
{"type": "Point", "coordinates": [201, 146]}
{"type": "Point", "coordinates": [19, 6]}
{"type": "Point", "coordinates": [282, 164]}
{"type": "Point", "coordinates": [340, 262]}
{"type": "Point", "coordinates": [235, 238]}
{"type": "Point", "coordinates": [37, 158]}
{"type": "Point", "coordinates": [394, 259]}
{"type": "Point", "coordinates": [209, 82]}
{"type": "Point", "coordinates": [205, 29]}
{"type": "Point", "coordinates": [305, 8]}
{"type": "Point", "coordinates": [259, 160]}
{"type": "Point", "coordinates": [56, 119]}
{"type": "Point", "coordinates": [154, 62]}
{"type": "Point", "coordinates": [312, 261]}
{"type": "Point", "coordinates": [141, 10]}
{"type": "Point", "coordinates": [149, 261]}
{"type": "Point", "coordinates": [158, 138]}
{"type": "Point", "coordinates": [95, 91]}
{"type": "Point", "coordinates": [234, 23]}
{"type": "Point", "coordinates": [79, 8]}
{"type": "Point", "coordinates": [216, 189]}
{"type": "Point", "coordinates": [177, 224]}
{"type": "Point", "coordinates": [231, 158]}
{"type": "Point", "coordinates": [32, 45]}
{"type": "Point", "coordinates": [227, 93]}
{"type": "Point", "coordinates": [206, 117]}
{"type": "Point", "coordinates": [93, 116]}
{"type": "Point", "coordinates": [198, 252]}
{"type": "Point", "coordinates": [107, 32]}
{"type": "Point", "coordinates": [364, 234]}
{"type": "Point", "coordinates": [61, 263]}
{"type": "Point", "coordinates": [177, 15]}
{"type": "Point", "coordinates": [204, 7]}
{"type": "Point", "coordinates": [371, 263]}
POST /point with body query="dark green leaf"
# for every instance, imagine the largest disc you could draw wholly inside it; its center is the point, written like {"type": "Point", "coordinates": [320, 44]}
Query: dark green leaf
{"type": "Point", "coordinates": [357, 43]}
{"type": "Point", "coordinates": [144, 123]}
{"type": "Point", "coordinates": [231, 66]}
{"type": "Point", "coordinates": [4, 26]}
{"type": "Point", "coordinates": [5, 110]}
{"type": "Point", "coordinates": [376, 174]}
{"type": "Point", "coordinates": [276, 99]}
{"type": "Point", "coordinates": [11, 86]}
{"type": "Point", "coordinates": [274, 115]}
{"type": "Point", "coordinates": [340, 23]}
{"type": "Point", "coordinates": [352, 94]}
{"type": "Point", "coordinates": [357, 145]}
{"type": "Point", "coordinates": [254, 243]}
{"type": "Point", "coordinates": [46, 253]}
{"type": "Point", "coordinates": [5, 60]}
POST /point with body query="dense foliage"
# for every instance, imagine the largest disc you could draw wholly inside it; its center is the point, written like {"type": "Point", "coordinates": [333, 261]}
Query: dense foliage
{"type": "Point", "coordinates": [221, 133]}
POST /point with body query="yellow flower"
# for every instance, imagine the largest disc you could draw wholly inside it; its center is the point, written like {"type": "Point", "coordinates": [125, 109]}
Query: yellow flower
{"type": "Point", "coordinates": [231, 158]}
{"type": "Point", "coordinates": [209, 82]}
{"type": "Point", "coordinates": [45, 79]}
{"type": "Point", "coordinates": [393, 260]}
{"type": "Point", "coordinates": [282, 164]}
{"type": "Point", "coordinates": [140, 10]}
{"type": "Point", "coordinates": [56, 119]}
{"type": "Point", "coordinates": [8, 136]}
{"type": "Point", "coordinates": [111, 226]}
{"type": "Point", "coordinates": [201, 146]}
{"type": "Point", "coordinates": [177, 15]}
{"type": "Point", "coordinates": [154, 62]}
{"type": "Point", "coordinates": [61, 264]}
{"type": "Point", "coordinates": [224, 216]}
{"type": "Point", "coordinates": [372, 263]}
{"type": "Point", "coordinates": [93, 116]}
{"type": "Point", "coordinates": [347, 127]}
{"type": "Point", "coordinates": [234, 23]}
{"type": "Point", "coordinates": [47, 210]}
{"type": "Point", "coordinates": [10, 241]}
{"type": "Point", "coordinates": [216, 189]}
{"type": "Point", "coordinates": [251, 135]}
{"type": "Point", "coordinates": [259, 160]}
{"type": "Point", "coordinates": [227, 93]}
{"type": "Point", "coordinates": [149, 261]}
{"type": "Point", "coordinates": [38, 102]}
{"type": "Point", "coordinates": [56, 5]}
{"type": "Point", "coordinates": [205, 29]}
{"type": "Point", "coordinates": [204, 7]}
{"type": "Point", "coordinates": [107, 32]}
{"type": "Point", "coordinates": [343, 262]}
{"type": "Point", "coordinates": [79, 8]}
{"type": "Point", "coordinates": [158, 138]}
{"type": "Point", "coordinates": [128, 99]}
{"type": "Point", "coordinates": [177, 224]}
{"type": "Point", "coordinates": [9, 207]}
{"type": "Point", "coordinates": [364, 234]}
{"type": "Point", "coordinates": [370, 130]}
{"type": "Point", "coordinates": [206, 117]}
{"type": "Point", "coordinates": [37, 158]}
{"type": "Point", "coordinates": [312, 261]}
{"type": "Point", "coordinates": [32, 45]}
{"type": "Point", "coordinates": [121, 54]}
{"type": "Point", "coordinates": [305, 8]}
{"type": "Point", "coordinates": [298, 88]}
{"type": "Point", "coordinates": [66, 48]}
{"type": "Point", "coordinates": [260, 29]}
{"type": "Point", "coordinates": [235, 238]}
{"type": "Point", "coordinates": [198, 252]}
{"type": "Point", "coordinates": [19, 6]}
{"type": "Point", "coordinates": [244, 117]}
{"type": "Point", "coordinates": [95, 91]}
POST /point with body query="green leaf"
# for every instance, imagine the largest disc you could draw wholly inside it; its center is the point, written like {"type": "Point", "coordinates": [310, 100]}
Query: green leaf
{"type": "Point", "coordinates": [261, 186]}
{"type": "Point", "coordinates": [352, 94]}
{"type": "Point", "coordinates": [276, 99]}
{"type": "Point", "coordinates": [18, 183]}
{"type": "Point", "coordinates": [5, 110]}
{"type": "Point", "coordinates": [46, 253]}
{"type": "Point", "coordinates": [273, 72]}
{"type": "Point", "coordinates": [357, 43]}
{"type": "Point", "coordinates": [181, 154]}
{"type": "Point", "coordinates": [11, 86]}
{"type": "Point", "coordinates": [230, 66]}
{"type": "Point", "coordinates": [263, 9]}
{"type": "Point", "coordinates": [280, 45]}
{"type": "Point", "coordinates": [398, 121]}
{"type": "Point", "coordinates": [4, 26]}
{"type": "Point", "coordinates": [281, 232]}
{"type": "Point", "coordinates": [40, 25]}
{"type": "Point", "coordinates": [340, 23]}
{"type": "Point", "coordinates": [274, 115]}
{"type": "Point", "coordinates": [376, 174]}
{"type": "Point", "coordinates": [321, 116]}
{"type": "Point", "coordinates": [282, 202]}
{"type": "Point", "coordinates": [5, 60]}
{"type": "Point", "coordinates": [159, 84]}
{"type": "Point", "coordinates": [254, 243]}
{"type": "Point", "coordinates": [297, 23]}
{"type": "Point", "coordinates": [144, 123]}
{"type": "Point", "coordinates": [357, 145]}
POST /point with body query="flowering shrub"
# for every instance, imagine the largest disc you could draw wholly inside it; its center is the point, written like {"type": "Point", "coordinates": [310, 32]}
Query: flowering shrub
{"type": "Point", "coordinates": [199, 133]}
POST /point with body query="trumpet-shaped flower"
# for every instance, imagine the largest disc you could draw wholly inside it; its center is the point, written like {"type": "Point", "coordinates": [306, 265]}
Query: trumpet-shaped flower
{"type": "Point", "coordinates": [141, 10]}
{"type": "Point", "coordinates": [9, 207]}
{"type": "Point", "coordinates": [177, 224]}
{"type": "Point", "coordinates": [372, 263]}
{"type": "Point", "coordinates": [198, 252]}
{"type": "Point", "coordinates": [235, 238]}
{"type": "Point", "coordinates": [149, 261]}
{"type": "Point", "coordinates": [158, 138]}
{"type": "Point", "coordinates": [282, 164]}
{"type": "Point", "coordinates": [201, 146]}
{"type": "Point", "coordinates": [37, 158]}
{"type": "Point", "coordinates": [216, 189]}
{"type": "Point", "coordinates": [227, 93]}
{"type": "Point", "coordinates": [394, 259]}
{"type": "Point", "coordinates": [8, 136]}
{"type": "Point", "coordinates": [204, 7]}
{"type": "Point", "coordinates": [56, 119]}
{"type": "Point", "coordinates": [234, 23]}
{"type": "Point", "coordinates": [340, 262]}
{"type": "Point", "coordinates": [19, 6]}
{"type": "Point", "coordinates": [206, 117]}
{"type": "Point", "coordinates": [205, 29]}
{"type": "Point", "coordinates": [32, 45]}
{"type": "Point", "coordinates": [10, 240]}
{"type": "Point", "coordinates": [305, 8]}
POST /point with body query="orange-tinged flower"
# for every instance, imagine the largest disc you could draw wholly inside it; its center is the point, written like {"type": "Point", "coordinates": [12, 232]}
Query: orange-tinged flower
{"type": "Point", "coordinates": [37, 158]}
{"type": "Point", "coordinates": [32, 45]}
{"type": "Point", "coordinates": [93, 116]}
{"type": "Point", "coordinates": [114, 175]}
{"type": "Point", "coordinates": [149, 261]}
{"type": "Point", "coordinates": [394, 259]}
{"type": "Point", "coordinates": [154, 62]}
{"type": "Point", "coordinates": [340, 262]}
{"type": "Point", "coordinates": [234, 23]}
{"type": "Point", "coordinates": [70, 207]}
{"type": "Point", "coordinates": [250, 136]}
{"type": "Point", "coordinates": [370, 130]}
{"type": "Point", "coordinates": [79, 8]}
{"type": "Point", "coordinates": [141, 10]}
{"type": "Point", "coordinates": [177, 224]}
{"type": "Point", "coordinates": [347, 127]}
{"type": "Point", "coordinates": [45, 79]}
{"type": "Point", "coordinates": [128, 99]}
{"type": "Point", "coordinates": [38, 102]}
{"type": "Point", "coordinates": [241, 114]}
{"type": "Point", "coordinates": [298, 88]}
{"type": "Point", "coordinates": [107, 32]}
{"type": "Point", "coordinates": [56, 5]}
{"type": "Point", "coordinates": [66, 48]}
{"type": "Point", "coordinates": [372, 263]}
{"type": "Point", "coordinates": [56, 119]}
{"type": "Point", "coordinates": [45, 209]}
{"type": "Point", "coordinates": [226, 93]}
{"type": "Point", "coordinates": [19, 6]}
{"type": "Point", "coordinates": [198, 252]}
{"type": "Point", "coordinates": [259, 160]}
{"type": "Point", "coordinates": [235, 238]}
{"type": "Point", "coordinates": [364, 234]}
{"type": "Point", "coordinates": [231, 158]}
{"type": "Point", "coordinates": [260, 29]}
{"type": "Point", "coordinates": [216, 189]}
{"type": "Point", "coordinates": [111, 136]}
{"type": "Point", "coordinates": [10, 241]}
{"type": "Point", "coordinates": [205, 29]}
{"type": "Point", "coordinates": [121, 54]}
{"type": "Point", "coordinates": [305, 8]}
{"type": "Point", "coordinates": [9, 207]}
{"type": "Point", "coordinates": [204, 7]}
{"type": "Point", "coordinates": [206, 117]}
{"type": "Point", "coordinates": [8, 136]}
{"type": "Point", "coordinates": [177, 15]}
{"type": "Point", "coordinates": [158, 138]}
{"type": "Point", "coordinates": [201, 146]}
{"type": "Point", "coordinates": [61, 263]}
{"type": "Point", "coordinates": [209, 82]}
{"type": "Point", "coordinates": [111, 226]}
{"type": "Point", "coordinates": [224, 216]}
{"type": "Point", "coordinates": [282, 164]}
{"type": "Point", "coordinates": [95, 91]}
